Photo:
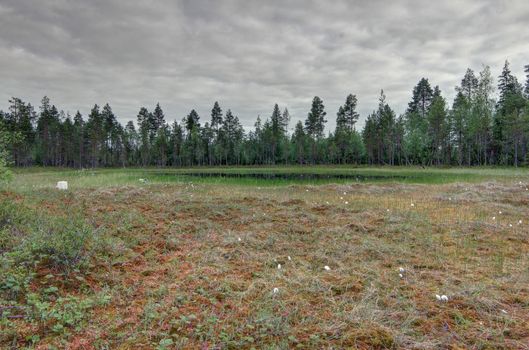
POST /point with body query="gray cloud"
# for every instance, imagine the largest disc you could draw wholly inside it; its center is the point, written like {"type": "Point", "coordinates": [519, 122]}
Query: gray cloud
{"type": "Point", "coordinates": [249, 55]}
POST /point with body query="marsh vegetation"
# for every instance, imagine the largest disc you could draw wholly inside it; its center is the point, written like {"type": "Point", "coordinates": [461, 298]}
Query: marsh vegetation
{"type": "Point", "coordinates": [268, 263]}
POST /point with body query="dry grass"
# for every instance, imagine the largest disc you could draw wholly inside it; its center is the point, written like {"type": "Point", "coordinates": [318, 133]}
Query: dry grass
{"type": "Point", "coordinates": [194, 266]}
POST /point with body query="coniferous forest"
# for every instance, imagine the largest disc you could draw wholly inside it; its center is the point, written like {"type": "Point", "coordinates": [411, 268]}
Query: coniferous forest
{"type": "Point", "coordinates": [486, 124]}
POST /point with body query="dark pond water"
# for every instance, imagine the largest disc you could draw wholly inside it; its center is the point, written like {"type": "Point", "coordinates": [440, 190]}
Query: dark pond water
{"type": "Point", "coordinates": [291, 176]}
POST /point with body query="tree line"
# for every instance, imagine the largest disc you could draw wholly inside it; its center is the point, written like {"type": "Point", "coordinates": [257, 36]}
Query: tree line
{"type": "Point", "coordinates": [482, 127]}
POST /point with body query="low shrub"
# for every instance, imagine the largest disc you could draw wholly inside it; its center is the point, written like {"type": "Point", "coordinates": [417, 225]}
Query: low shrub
{"type": "Point", "coordinates": [30, 240]}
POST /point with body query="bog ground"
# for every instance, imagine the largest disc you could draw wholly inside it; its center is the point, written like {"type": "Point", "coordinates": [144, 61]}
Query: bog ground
{"type": "Point", "coordinates": [189, 261]}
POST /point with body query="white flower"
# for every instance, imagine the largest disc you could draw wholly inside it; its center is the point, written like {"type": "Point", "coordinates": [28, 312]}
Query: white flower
{"type": "Point", "coordinates": [346, 202]}
{"type": "Point", "coordinates": [519, 222]}
{"type": "Point", "coordinates": [344, 193]}
{"type": "Point", "coordinates": [400, 275]}
{"type": "Point", "coordinates": [499, 212]}
{"type": "Point", "coordinates": [503, 311]}
{"type": "Point", "coordinates": [510, 225]}
{"type": "Point", "coordinates": [276, 290]}
{"type": "Point", "coordinates": [341, 198]}
{"type": "Point", "coordinates": [444, 298]}
{"type": "Point", "coordinates": [279, 266]}
{"type": "Point", "coordinates": [438, 297]}
{"type": "Point", "coordinates": [306, 190]}
{"type": "Point", "coordinates": [401, 269]}
{"type": "Point", "coordinates": [412, 204]}
{"type": "Point", "coordinates": [387, 210]}
{"type": "Point", "coordinates": [493, 218]}
{"type": "Point", "coordinates": [327, 268]}
{"type": "Point", "coordinates": [289, 258]}
{"type": "Point", "coordinates": [327, 202]}
{"type": "Point", "coordinates": [239, 239]}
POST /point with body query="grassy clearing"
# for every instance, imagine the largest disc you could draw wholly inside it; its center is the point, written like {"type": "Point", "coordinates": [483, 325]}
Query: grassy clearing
{"type": "Point", "coordinates": [35, 178]}
{"type": "Point", "coordinates": [115, 263]}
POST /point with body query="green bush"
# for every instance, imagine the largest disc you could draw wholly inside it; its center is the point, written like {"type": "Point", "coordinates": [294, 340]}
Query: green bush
{"type": "Point", "coordinates": [63, 313]}
{"type": "Point", "coordinates": [29, 239]}
{"type": "Point", "coordinates": [5, 139]}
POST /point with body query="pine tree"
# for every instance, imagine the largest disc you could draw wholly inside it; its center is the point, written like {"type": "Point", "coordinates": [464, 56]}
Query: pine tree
{"type": "Point", "coordinates": [67, 142]}
{"type": "Point", "coordinates": [349, 110]}
{"type": "Point", "coordinates": [285, 120]}
{"type": "Point", "coordinates": [161, 144]}
{"type": "Point", "coordinates": [158, 118]}
{"type": "Point", "coordinates": [130, 144]}
{"type": "Point", "coordinates": [216, 117]}
{"type": "Point", "coordinates": [314, 125]}
{"type": "Point", "coordinates": [233, 135]}
{"type": "Point", "coordinates": [277, 134]}
{"type": "Point", "coordinates": [79, 140]}
{"type": "Point", "coordinates": [506, 118]}
{"type": "Point", "coordinates": [192, 120]}
{"type": "Point", "coordinates": [438, 126]}
{"type": "Point", "coordinates": [345, 134]}
{"type": "Point", "coordinates": [421, 99]}
{"type": "Point", "coordinates": [416, 143]}
{"type": "Point", "coordinates": [6, 138]}
{"type": "Point", "coordinates": [299, 142]}
{"type": "Point", "coordinates": [469, 84]}
{"type": "Point", "coordinates": [95, 132]}
{"type": "Point", "coordinates": [369, 136]}
{"type": "Point", "coordinates": [277, 125]}
{"type": "Point", "coordinates": [20, 120]}
{"type": "Point", "coordinates": [110, 137]}
{"type": "Point", "coordinates": [341, 135]}
{"type": "Point", "coordinates": [526, 70]}
{"type": "Point", "coordinates": [48, 134]}
{"type": "Point", "coordinates": [482, 114]}
{"type": "Point", "coordinates": [459, 120]}
{"type": "Point", "coordinates": [176, 140]}
{"type": "Point", "coordinates": [341, 121]}
{"type": "Point", "coordinates": [506, 86]}
{"type": "Point", "coordinates": [315, 122]}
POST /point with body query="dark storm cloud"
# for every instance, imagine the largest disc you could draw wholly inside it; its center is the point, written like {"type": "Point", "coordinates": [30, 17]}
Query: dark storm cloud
{"type": "Point", "coordinates": [249, 54]}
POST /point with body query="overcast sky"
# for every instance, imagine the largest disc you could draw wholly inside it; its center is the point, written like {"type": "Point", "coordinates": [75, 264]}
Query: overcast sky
{"type": "Point", "coordinates": [249, 55]}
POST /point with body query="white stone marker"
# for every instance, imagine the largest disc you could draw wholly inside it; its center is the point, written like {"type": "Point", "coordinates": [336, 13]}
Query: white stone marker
{"type": "Point", "coordinates": [62, 185]}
